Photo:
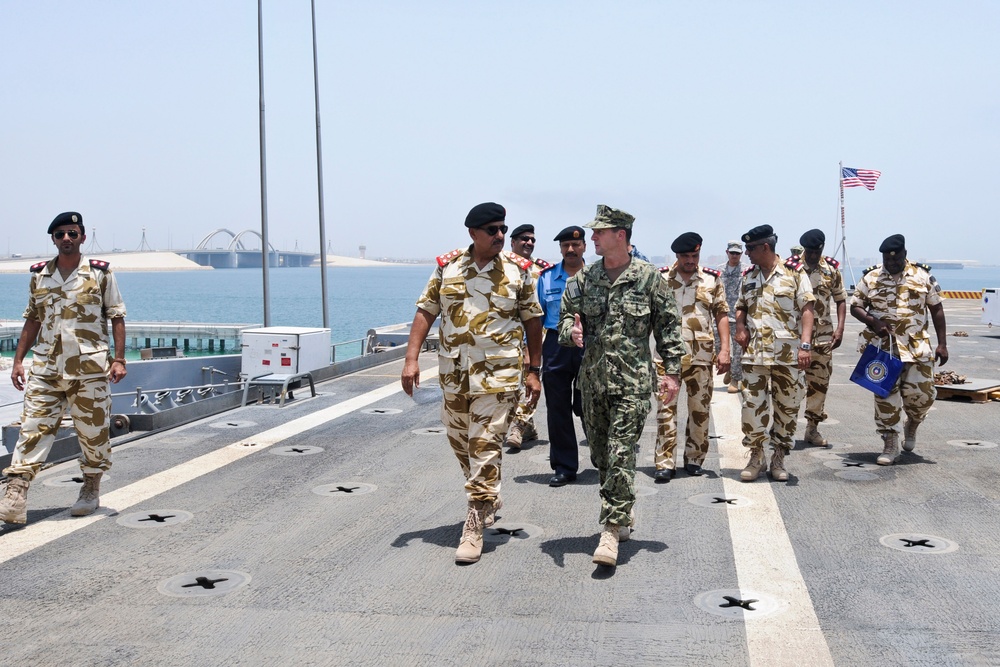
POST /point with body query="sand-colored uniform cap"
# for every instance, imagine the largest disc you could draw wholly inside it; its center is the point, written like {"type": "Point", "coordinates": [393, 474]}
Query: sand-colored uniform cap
{"type": "Point", "coordinates": [611, 218]}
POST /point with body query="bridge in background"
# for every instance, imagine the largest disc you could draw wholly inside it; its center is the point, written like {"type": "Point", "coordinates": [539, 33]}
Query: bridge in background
{"type": "Point", "coordinates": [235, 255]}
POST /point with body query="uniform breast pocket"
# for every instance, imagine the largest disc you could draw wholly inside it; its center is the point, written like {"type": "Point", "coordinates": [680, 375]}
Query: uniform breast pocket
{"type": "Point", "coordinates": [784, 298]}
{"type": "Point", "coordinates": [592, 306]}
{"type": "Point", "coordinates": [452, 295]}
{"type": "Point", "coordinates": [636, 318]}
{"type": "Point", "coordinates": [504, 305]}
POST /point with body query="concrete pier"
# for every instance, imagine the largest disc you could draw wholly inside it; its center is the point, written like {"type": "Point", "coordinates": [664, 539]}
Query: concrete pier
{"type": "Point", "coordinates": [141, 335]}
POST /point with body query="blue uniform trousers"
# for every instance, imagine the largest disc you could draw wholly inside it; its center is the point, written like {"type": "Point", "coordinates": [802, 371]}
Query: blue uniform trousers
{"type": "Point", "coordinates": [560, 366]}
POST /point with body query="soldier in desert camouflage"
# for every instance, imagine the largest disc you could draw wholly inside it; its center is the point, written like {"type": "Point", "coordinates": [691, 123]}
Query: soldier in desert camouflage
{"type": "Point", "coordinates": [827, 286]}
{"type": "Point", "coordinates": [488, 306]}
{"type": "Point", "coordinates": [69, 305]}
{"type": "Point", "coordinates": [774, 320]}
{"type": "Point", "coordinates": [610, 308]}
{"type": "Point", "coordinates": [894, 300]}
{"type": "Point", "coordinates": [701, 299]}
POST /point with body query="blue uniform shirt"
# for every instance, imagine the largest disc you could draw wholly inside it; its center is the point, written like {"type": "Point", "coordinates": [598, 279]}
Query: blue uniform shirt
{"type": "Point", "coordinates": [551, 284]}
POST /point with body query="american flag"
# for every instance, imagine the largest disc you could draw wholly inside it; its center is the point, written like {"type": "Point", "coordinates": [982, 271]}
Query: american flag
{"type": "Point", "coordinates": [853, 178]}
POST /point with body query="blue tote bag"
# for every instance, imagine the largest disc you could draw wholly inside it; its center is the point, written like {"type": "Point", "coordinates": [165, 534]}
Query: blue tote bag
{"type": "Point", "coordinates": [877, 370]}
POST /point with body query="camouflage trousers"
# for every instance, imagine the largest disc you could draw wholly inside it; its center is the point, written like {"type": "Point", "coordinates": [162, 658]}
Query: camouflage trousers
{"type": "Point", "coordinates": [818, 381]}
{"type": "Point", "coordinates": [772, 396]}
{"type": "Point", "coordinates": [735, 351]}
{"type": "Point", "coordinates": [697, 382]}
{"type": "Point", "coordinates": [45, 402]}
{"type": "Point", "coordinates": [525, 411]}
{"type": "Point", "coordinates": [914, 393]}
{"type": "Point", "coordinates": [476, 426]}
{"type": "Point", "coordinates": [613, 426]}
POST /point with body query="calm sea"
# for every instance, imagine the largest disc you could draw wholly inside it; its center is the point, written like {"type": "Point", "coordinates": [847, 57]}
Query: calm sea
{"type": "Point", "coordinates": [360, 297]}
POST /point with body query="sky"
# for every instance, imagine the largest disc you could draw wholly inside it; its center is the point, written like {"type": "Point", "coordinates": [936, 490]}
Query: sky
{"type": "Point", "coordinates": [712, 116]}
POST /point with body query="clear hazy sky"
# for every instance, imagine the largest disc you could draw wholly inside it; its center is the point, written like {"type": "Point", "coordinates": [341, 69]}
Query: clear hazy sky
{"type": "Point", "coordinates": [707, 116]}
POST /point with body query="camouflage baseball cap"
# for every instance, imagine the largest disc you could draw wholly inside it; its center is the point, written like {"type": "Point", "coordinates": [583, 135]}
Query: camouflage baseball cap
{"type": "Point", "coordinates": [611, 218]}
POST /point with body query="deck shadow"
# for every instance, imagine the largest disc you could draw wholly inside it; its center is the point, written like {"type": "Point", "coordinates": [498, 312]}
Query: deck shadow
{"type": "Point", "coordinates": [559, 548]}
{"type": "Point", "coordinates": [441, 536]}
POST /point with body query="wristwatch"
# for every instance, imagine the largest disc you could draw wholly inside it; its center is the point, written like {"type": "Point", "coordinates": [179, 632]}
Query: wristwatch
{"type": "Point", "coordinates": [805, 346]}
{"type": "Point", "coordinates": [120, 360]}
{"type": "Point", "coordinates": [534, 369]}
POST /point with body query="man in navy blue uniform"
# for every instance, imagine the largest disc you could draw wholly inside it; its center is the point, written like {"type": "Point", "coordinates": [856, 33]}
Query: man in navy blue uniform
{"type": "Point", "coordinates": [560, 365]}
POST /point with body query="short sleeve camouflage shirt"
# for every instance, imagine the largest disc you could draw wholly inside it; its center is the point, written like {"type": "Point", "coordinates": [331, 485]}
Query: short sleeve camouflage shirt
{"type": "Point", "coordinates": [700, 299]}
{"type": "Point", "coordinates": [481, 331]}
{"type": "Point", "coordinates": [828, 288]}
{"type": "Point", "coordinates": [73, 313]}
{"type": "Point", "coordinates": [903, 303]}
{"type": "Point", "coordinates": [774, 304]}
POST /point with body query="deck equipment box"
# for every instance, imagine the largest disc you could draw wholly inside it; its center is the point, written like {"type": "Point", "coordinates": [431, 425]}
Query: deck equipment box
{"type": "Point", "coordinates": [991, 305]}
{"type": "Point", "coordinates": [285, 350]}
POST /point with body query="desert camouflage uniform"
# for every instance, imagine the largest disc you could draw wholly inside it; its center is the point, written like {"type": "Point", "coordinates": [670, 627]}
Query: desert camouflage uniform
{"type": "Point", "coordinates": [772, 387]}
{"type": "Point", "coordinates": [732, 278]}
{"type": "Point", "coordinates": [479, 356]}
{"type": "Point", "coordinates": [904, 305]}
{"type": "Point", "coordinates": [526, 412]}
{"type": "Point", "coordinates": [828, 288]}
{"type": "Point", "coordinates": [617, 374]}
{"type": "Point", "coordinates": [700, 300]}
{"type": "Point", "coordinates": [69, 365]}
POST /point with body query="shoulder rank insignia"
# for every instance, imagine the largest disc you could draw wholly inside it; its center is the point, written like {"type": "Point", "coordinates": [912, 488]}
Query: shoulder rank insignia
{"type": "Point", "coordinates": [711, 272]}
{"type": "Point", "coordinates": [542, 264]}
{"type": "Point", "coordinates": [99, 264]}
{"type": "Point", "coordinates": [794, 263]}
{"type": "Point", "coordinates": [925, 267]}
{"type": "Point", "coordinates": [871, 268]}
{"type": "Point", "coordinates": [446, 258]}
{"type": "Point", "coordinates": [750, 268]}
{"type": "Point", "coordinates": [663, 269]}
{"type": "Point", "coordinates": [547, 268]}
{"type": "Point", "coordinates": [832, 262]}
{"type": "Point", "coordinates": [35, 268]}
{"type": "Point", "coordinates": [523, 262]}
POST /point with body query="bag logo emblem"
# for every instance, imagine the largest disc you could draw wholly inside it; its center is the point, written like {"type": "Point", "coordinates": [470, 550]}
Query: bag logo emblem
{"type": "Point", "coordinates": [875, 371]}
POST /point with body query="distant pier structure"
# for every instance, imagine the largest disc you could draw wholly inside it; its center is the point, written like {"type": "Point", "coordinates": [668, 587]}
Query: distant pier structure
{"type": "Point", "coordinates": [235, 255]}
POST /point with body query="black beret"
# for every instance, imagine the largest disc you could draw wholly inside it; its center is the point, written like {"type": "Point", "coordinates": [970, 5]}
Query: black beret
{"type": "Point", "coordinates": [814, 239]}
{"type": "Point", "coordinates": [686, 242]}
{"type": "Point", "coordinates": [68, 218]}
{"type": "Point", "coordinates": [484, 214]}
{"type": "Point", "coordinates": [758, 233]}
{"type": "Point", "coordinates": [520, 229]}
{"type": "Point", "coordinates": [571, 233]}
{"type": "Point", "coordinates": [893, 244]}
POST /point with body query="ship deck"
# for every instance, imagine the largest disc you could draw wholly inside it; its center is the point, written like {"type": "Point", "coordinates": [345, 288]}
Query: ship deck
{"type": "Point", "coordinates": [323, 533]}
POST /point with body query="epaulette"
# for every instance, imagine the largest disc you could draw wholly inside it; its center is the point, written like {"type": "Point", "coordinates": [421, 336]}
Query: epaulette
{"type": "Point", "coordinates": [99, 264]}
{"type": "Point", "coordinates": [711, 272]}
{"type": "Point", "coordinates": [832, 262]}
{"type": "Point", "coordinates": [923, 266]}
{"type": "Point", "coordinates": [547, 268]}
{"type": "Point", "coordinates": [663, 269]}
{"type": "Point", "coordinates": [794, 263]}
{"type": "Point", "coordinates": [542, 264]}
{"type": "Point", "coordinates": [523, 262]}
{"type": "Point", "coordinates": [749, 269]}
{"type": "Point", "coordinates": [870, 269]}
{"type": "Point", "coordinates": [35, 268]}
{"type": "Point", "coordinates": [446, 258]}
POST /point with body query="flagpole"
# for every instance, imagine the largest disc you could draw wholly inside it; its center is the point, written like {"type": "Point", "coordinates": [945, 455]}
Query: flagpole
{"type": "Point", "coordinates": [843, 221]}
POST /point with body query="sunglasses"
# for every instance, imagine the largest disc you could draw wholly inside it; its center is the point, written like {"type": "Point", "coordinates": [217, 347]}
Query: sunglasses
{"type": "Point", "coordinates": [526, 239]}
{"type": "Point", "coordinates": [58, 235]}
{"type": "Point", "coordinates": [493, 229]}
{"type": "Point", "coordinates": [753, 247]}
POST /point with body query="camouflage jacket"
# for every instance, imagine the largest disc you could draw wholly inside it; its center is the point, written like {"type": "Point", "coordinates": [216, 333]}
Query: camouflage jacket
{"type": "Point", "coordinates": [699, 300]}
{"type": "Point", "coordinates": [732, 278]}
{"type": "Point", "coordinates": [903, 303]}
{"type": "Point", "coordinates": [827, 285]}
{"type": "Point", "coordinates": [74, 313]}
{"type": "Point", "coordinates": [482, 311]}
{"type": "Point", "coordinates": [774, 306]}
{"type": "Point", "coordinates": [617, 322]}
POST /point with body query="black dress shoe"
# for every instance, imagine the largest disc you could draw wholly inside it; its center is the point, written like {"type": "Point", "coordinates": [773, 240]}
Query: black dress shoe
{"type": "Point", "coordinates": [663, 476]}
{"type": "Point", "coordinates": [561, 479]}
{"type": "Point", "coordinates": [693, 469]}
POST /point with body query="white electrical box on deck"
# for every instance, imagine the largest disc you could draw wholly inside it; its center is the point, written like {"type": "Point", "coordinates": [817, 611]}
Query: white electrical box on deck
{"type": "Point", "coordinates": [284, 350]}
{"type": "Point", "coordinates": [991, 305]}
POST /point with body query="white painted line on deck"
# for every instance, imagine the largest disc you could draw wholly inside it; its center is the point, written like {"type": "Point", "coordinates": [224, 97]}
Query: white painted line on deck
{"type": "Point", "coordinates": [764, 557]}
{"type": "Point", "coordinates": [37, 534]}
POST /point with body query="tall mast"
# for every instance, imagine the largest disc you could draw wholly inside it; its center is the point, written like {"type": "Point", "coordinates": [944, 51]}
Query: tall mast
{"type": "Point", "coordinates": [319, 177]}
{"type": "Point", "coordinates": [265, 245]}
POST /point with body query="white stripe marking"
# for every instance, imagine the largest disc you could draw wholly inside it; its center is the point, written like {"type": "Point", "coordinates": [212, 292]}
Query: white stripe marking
{"type": "Point", "coordinates": [41, 533]}
{"type": "Point", "coordinates": [764, 557]}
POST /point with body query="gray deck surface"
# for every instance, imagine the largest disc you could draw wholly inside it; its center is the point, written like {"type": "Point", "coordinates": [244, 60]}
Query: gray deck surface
{"type": "Point", "coordinates": [369, 578]}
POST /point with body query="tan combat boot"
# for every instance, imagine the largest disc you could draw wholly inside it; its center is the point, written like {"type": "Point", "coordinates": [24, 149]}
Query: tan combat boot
{"type": "Point", "coordinates": [528, 433]}
{"type": "Point", "coordinates": [515, 435]}
{"type": "Point", "coordinates": [89, 499]}
{"type": "Point", "coordinates": [607, 550]}
{"type": "Point", "coordinates": [14, 506]}
{"type": "Point", "coordinates": [813, 436]}
{"type": "Point", "coordinates": [891, 451]}
{"type": "Point", "coordinates": [490, 509]}
{"type": "Point", "coordinates": [910, 435]}
{"type": "Point", "coordinates": [778, 472]}
{"type": "Point", "coordinates": [470, 548]}
{"type": "Point", "coordinates": [758, 463]}
{"type": "Point", "coordinates": [625, 532]}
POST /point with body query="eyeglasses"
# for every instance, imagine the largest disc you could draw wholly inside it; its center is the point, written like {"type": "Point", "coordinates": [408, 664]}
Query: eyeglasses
{"type": "Point", "coordinates": [526, 239]}
{"type": "Point", "coordinates": [750, 247]}
{"type": "Point", "coordinates": [58, 235]}
{"type": "Point", "coordinates": [493, 229]}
